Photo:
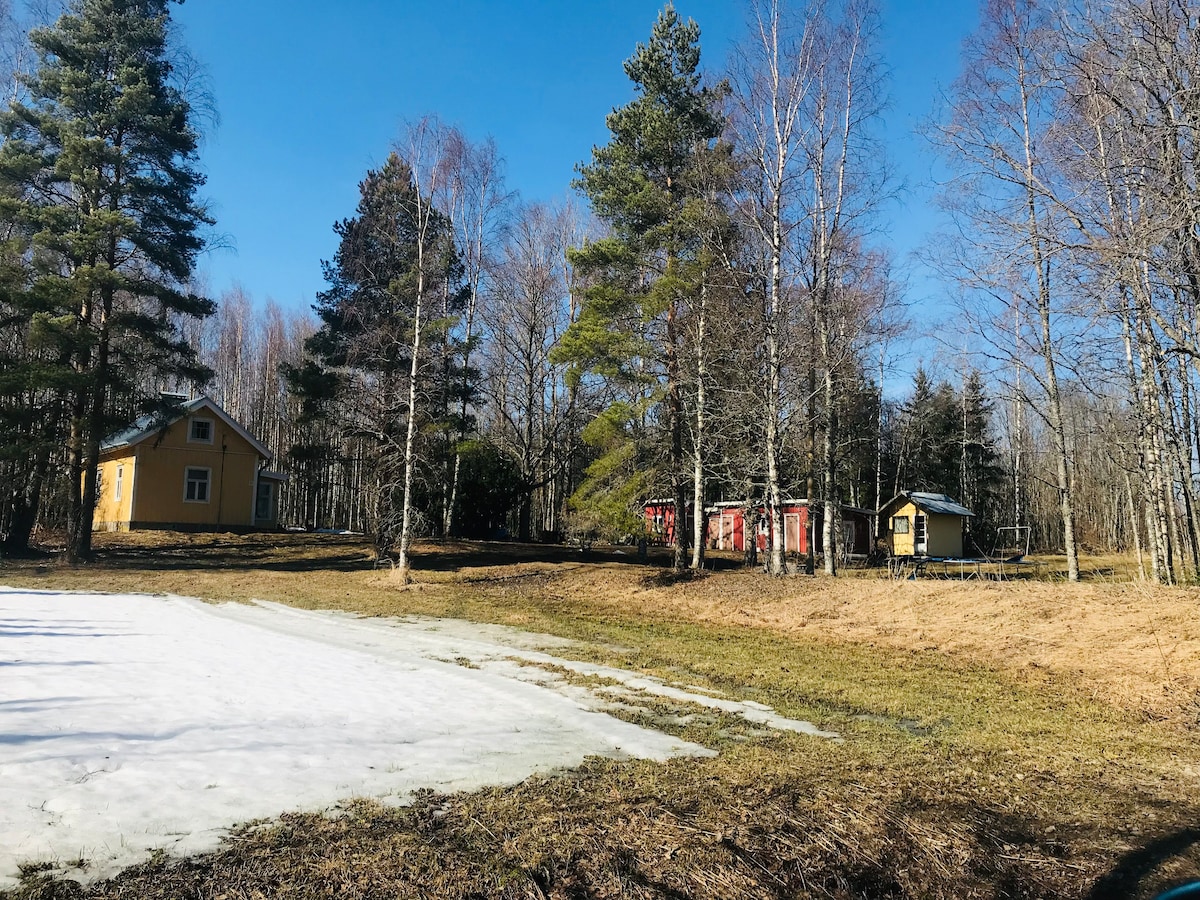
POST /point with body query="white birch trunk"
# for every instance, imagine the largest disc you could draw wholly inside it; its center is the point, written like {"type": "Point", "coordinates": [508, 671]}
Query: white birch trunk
{"type": "Point", "coordinates": [698, 518]}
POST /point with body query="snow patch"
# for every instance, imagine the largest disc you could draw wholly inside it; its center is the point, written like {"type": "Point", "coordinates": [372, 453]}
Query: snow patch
{"type": "Point", "coordinates": [132, 723]}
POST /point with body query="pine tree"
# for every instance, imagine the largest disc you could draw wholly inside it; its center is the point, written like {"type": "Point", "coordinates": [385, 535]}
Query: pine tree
{"type": "Point", "coordinates": [99, 166]}
{"type": "Point", "coordinates": [647, 184]}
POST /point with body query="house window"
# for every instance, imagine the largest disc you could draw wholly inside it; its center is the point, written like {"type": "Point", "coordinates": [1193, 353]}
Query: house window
{"type": "Point", "coordinates": [900, 525]}
{"type": "Point", "coordinates": [195, 485]}
{"type": "Point", "coordinates": [120, 483]}
{"type": "Point", "coordinates": [200, 431]}
{"type": "Point", "coordinates": [264, 501]}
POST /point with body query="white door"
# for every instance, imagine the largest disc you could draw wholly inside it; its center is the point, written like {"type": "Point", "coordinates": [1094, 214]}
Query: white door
{"type": "Point", "coordinates": [920, 535]}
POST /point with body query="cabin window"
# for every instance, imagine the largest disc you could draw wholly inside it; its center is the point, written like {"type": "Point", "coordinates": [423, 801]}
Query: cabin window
{"type": "Point", "coordinates": [200, 431]}
{"type": "Point", "coordinates": [900, 525]}
{"type": "Point", "coordinates": [195, 485]}
{"type": "Point", "coordinates": [120, 483]}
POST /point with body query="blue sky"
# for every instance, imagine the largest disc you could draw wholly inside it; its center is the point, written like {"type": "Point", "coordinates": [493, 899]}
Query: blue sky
{"type": "Point", "coordinates": [310, 94]}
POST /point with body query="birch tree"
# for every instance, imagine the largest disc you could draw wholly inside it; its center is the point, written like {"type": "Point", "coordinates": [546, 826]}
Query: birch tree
{"type": "Point", "coordinates": [526, 311]}
{"type": "Point", "coordinates": [807, 96]}
{"type": "Point", "coordinates": [475, 198]}
{"type": "Point", "coordinates": [373, 355]}
{"type": "Point", "coordinates": [1002, 106]}
{"type": "Point", "coordinates": [772, 75]}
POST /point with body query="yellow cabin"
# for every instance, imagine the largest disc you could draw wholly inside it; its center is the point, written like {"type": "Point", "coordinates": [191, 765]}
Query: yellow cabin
{"type": "Point", "coordinates": [195, 469]}
{"type": "Point", "coordinates": [921, 524]}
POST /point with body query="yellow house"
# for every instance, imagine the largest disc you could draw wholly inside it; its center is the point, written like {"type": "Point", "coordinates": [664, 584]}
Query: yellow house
{"type": "Point", "coordinates": [194, 469]}
{"type": "Point", "coordinates": [922, 524]}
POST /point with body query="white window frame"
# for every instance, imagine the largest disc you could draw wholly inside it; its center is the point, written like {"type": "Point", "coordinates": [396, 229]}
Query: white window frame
{"type": "Point", "coordinates": [212, 427]}
{"type": "Point", "coordinates": [187, 480]}
{"type": "Point", "coordinates": [119, 483]}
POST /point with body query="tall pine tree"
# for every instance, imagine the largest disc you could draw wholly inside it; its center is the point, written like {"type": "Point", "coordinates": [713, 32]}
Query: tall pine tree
{"type": "Point", "coordinates": [647, 184]}
{"type": "Point", "coordinates": [98, 166]}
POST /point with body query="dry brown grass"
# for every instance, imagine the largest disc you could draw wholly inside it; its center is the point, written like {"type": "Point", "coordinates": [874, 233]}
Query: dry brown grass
{"type": "Point", "coordinates": [1130, 644]}
{"type": "Point", "coordinates": [1016, 739]}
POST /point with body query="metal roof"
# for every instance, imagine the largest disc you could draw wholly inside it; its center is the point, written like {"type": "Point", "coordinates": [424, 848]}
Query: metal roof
{"type": "Point", "coordinates": [819, 505]}
{"type": "Point", "coordinates": [939, 504]}
{"type": "Point", "coordinates": [152, 424]}
{"type": "Point", "coordinates": [146, 425]}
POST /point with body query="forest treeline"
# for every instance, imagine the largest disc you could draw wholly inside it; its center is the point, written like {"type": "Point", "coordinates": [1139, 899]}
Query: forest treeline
{"type": "Point", "coordinates": [715, 318]}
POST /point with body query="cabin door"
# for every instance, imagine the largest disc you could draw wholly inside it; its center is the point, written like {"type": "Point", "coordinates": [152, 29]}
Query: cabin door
{"type": "Point", "coordinates": [920, 535]}
{"type": "Point", "coordinates": [791, 532]}
{"type": "Point", "coordinates": [728, 539]}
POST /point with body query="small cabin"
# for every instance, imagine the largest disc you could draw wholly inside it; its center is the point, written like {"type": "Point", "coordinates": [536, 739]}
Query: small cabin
{"type": "Point", "coordinates": [660, 521]}
{"type": "Point", "coordinates": [924, 524]}
{"type": "Point", "coordinates": [193, 468]}
{"type": "Point", "coordinates": [738, 525]}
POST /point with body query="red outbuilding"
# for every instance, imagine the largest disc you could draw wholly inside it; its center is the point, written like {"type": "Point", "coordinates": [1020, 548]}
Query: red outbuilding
{"type": "Point", "coordinates": [660, 522]}
{"type": "Point", "coordinates": [733, 525]}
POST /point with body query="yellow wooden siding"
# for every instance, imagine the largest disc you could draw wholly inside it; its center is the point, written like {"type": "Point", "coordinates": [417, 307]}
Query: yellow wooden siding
{"type": "Point", "coordinates": [157, 496]}
{"type": "Point", "coordinates": [162, 464]}
{"type": "Point", "coordinates": [902, 544]}
{"type": "Point", "coordinates": [112, 514]}
{"type": "Point", "coordinates": [943, 533]}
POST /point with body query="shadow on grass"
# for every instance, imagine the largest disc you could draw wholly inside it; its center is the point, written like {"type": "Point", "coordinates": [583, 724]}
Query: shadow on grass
{"type": "Point", "coordinates": [310, 552]}
{"type": "Point", "coordinates": [1135, 870]}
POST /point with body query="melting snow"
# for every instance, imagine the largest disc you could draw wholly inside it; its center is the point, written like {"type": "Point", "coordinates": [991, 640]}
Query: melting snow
{"type": "Point", "coordinates": [131, 723]}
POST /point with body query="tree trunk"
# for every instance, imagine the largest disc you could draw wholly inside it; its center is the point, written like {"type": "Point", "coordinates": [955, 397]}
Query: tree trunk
{"type": "Point", "coordinates": [698, 518]}
{"type": "Point", "coordinates": [829, 541]}
{"type": "Point", "coordinates": [403, 562]}
{"type": "Point", "coordinates": [675, 423]}
{"type": "Point", "coordinates": [1054, 398]}
{"type": "Point", "coordinates": [26, 498]}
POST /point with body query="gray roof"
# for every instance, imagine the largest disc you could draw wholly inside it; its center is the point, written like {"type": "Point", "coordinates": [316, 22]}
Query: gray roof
{"type": "Point", "coordinates": [939, 504]}
{"type": "Point", "coordinates": [146, 425]}
{"type": "Point", "coordinates": [149, 425]}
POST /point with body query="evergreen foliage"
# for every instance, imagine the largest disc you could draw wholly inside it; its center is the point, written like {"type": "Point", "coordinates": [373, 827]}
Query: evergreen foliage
{"type": "Point", "coordinates": [647, 184]}
{"type": "Point", "coordinates": [98, 186]}
{"type": "Point", "coordinates": [947, 447]}
{"type": "Point", "coordinates": [356, 383]}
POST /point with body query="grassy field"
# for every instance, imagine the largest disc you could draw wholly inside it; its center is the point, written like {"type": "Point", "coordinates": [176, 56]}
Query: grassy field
{"type": "Point", "coordinates": [1018, 739]}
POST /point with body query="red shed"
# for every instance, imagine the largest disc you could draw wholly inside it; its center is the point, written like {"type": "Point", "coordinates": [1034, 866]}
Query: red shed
{"type": "Point", "coordinates": [732, 524]}
{"type": "Point", "coordinates": [660, 521]}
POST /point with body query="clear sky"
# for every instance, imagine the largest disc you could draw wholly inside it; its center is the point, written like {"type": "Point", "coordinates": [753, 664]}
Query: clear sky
{"type": "Point", "coordinates": [310, 94]}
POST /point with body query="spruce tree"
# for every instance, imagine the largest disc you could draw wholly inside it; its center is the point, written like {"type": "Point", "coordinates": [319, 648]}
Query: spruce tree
{"type": "Point", "coordinates": [394, 256]}
{"type": "Point", "coordinates": [98, 164]}
{"type": "Point", "coordinates": [930, 429]}
{"type": "Point", "coordinates": [648, 185]}
{"type": "Point", "coordinates": [981, 477]}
